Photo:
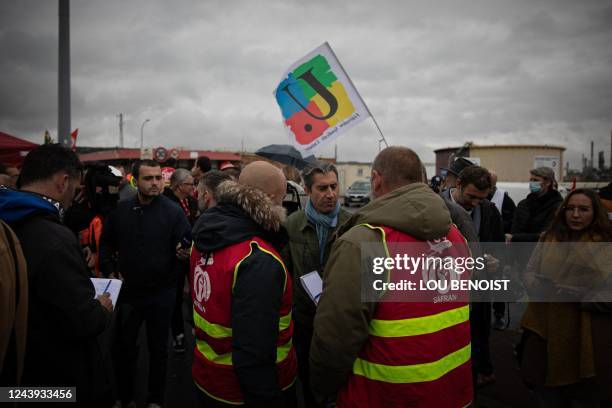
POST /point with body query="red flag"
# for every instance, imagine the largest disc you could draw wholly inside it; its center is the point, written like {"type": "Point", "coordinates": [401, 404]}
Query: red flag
{"type": "Point", "coordinates": [73, 136]}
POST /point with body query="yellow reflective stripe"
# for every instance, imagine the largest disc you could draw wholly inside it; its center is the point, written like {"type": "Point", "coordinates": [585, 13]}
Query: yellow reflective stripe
{"type": "Point", "coordinates": [249, 254]}
{"type": "Point", "coordinates": [382, 231]}
{"type": "Point", "coordinates": [234, 402]}
{"type": "Point", "coordinates": [419, 325]}
{"type": "Point", "coordinates": [275, 257]}
{"type": "Point", "coordinates": [284, 322]}
{"type": "Point", "coordinates": [384, 241]}
{"type": "Point", "coordinates": [210, 355]}
{"type": "Point", "coordinates": [212, 329]}
{"type": "Point", "coordinates": [282, 352]}
{"type": "Point", "coordinates": [291, 383]}
{"type": "Point", "coordinates": [238, 266]}
{"type": "Point", "coordinates": [217, 398]}
{"type": "Point", "coordinates": [218, 331]}
{"type": "Point", "coordinates": [412, 373]}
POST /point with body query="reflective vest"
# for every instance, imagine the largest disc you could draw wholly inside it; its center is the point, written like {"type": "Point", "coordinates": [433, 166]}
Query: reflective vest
{"type": "Point", "coordinates": [90, 237]}
{"type": "Point", "coordinates": [417, 353]}
{"type": "Point", "coordinates": [212, 280]}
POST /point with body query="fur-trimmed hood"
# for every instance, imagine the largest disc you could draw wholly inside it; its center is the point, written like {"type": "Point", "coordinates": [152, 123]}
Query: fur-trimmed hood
{"type": "Point", "coordinates": [254, 202]}
{"type": "Point", "coordinates": [241, 213]}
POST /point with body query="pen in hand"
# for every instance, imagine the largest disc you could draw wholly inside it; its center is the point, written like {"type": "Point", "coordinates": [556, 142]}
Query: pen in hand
{"type": "Point", "coordinates": [107, 286]}
{"type": "Point", "coordinates": [105, 299]}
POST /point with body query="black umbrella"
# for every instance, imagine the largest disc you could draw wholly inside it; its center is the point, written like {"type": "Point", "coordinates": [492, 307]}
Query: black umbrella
{"type": "Point", "coordinates": [286, 154]}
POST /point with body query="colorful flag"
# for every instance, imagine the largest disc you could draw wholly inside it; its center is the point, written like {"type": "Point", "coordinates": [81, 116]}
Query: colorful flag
{"type": "Point", "coordinates": [318, 100]}
{"type": "Point", "coordinates": [73, 138]}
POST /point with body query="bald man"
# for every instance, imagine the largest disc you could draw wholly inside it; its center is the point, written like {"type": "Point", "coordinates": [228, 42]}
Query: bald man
{"type": "Point", "coordinates": [241, 294]}
{"type": "Point", "coordinates": [267, 178]}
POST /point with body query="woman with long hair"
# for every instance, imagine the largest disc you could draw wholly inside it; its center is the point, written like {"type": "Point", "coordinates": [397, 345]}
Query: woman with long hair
{"type": "Point", "coordinates": [567, 354]}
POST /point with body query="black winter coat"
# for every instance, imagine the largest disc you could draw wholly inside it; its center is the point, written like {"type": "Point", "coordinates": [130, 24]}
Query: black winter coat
{"type": "Point", "coordinates": [64, 320]}
{"type": "Point", "coordinates": [192, 205]}
{"type": "Point", "coordinates": [533, 216]}
{"type": "Point", "coordinates": [491, 223]}
{"type": "Point", "coordinates": [144, 238]}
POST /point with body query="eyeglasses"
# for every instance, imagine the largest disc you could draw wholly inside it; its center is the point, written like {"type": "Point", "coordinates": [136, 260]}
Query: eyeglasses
{"type": "Point", "coordinates": [581, 209]}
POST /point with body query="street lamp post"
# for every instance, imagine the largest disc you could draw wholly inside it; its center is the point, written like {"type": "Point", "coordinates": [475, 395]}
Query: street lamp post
{"type": "Point", "coordinates": [141, 133]}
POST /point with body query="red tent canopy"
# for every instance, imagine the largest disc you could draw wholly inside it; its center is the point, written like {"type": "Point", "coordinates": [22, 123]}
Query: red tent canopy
{"type": "Point", "coordinates": [13, 149]}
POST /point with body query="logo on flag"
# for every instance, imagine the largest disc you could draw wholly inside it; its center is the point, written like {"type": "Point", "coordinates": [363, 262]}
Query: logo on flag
{"type": "Point", "coordinates": [318, 100]}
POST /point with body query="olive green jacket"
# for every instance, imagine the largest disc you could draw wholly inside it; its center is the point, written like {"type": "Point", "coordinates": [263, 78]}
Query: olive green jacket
{"type": "Point", "coordinates": [342, 318]}
{"type": "Point", "coordinates": [302, 257]}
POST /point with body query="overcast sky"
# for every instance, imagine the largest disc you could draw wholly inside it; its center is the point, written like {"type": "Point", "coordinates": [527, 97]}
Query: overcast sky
{"type": "Point", "coordinates": [434, 73]}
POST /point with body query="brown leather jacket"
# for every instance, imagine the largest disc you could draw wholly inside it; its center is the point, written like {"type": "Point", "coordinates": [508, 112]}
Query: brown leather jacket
{"type": "Point", "coordinates": [14, 306]}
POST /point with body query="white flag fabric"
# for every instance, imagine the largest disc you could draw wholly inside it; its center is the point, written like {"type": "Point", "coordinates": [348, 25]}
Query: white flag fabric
{"type": "Point", "coordinates": [318, 101]}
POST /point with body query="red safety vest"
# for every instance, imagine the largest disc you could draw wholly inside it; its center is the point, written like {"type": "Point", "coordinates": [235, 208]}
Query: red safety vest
{"type": "Point", "coordinates": [417, 354]}
{"type": "Point", "coordinates": [212, 281]}
{"type": "Point", "coordinates": [91, 237]}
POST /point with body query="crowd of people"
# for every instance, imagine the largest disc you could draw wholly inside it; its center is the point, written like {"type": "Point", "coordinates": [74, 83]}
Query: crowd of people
{"type": "Point", "coordinates": [223, 237]}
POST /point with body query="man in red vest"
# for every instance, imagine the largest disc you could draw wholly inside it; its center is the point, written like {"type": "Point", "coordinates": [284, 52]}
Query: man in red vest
{"type": "Point", "coordinates": [372, 352]}
{"type": "Point", "coordinates": [241, 295]}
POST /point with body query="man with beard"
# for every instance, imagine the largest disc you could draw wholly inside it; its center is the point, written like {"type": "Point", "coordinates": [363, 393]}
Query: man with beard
{"type": "Point", "coordinates": [208, 186]}
{"type": "Point", "coordinates": [64, 319]}
{"type": "Point", "coordinates": [145, 232]}
{"type": "Point", "coordinates": [241, 294]}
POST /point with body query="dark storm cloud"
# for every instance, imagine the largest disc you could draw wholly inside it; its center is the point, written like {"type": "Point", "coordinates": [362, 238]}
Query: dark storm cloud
{"type": "Point", "coordinates": [434, 73]}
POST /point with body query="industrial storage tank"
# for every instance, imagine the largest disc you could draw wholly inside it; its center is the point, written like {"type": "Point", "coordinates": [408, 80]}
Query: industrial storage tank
{"type": "Point", "coordinates": [511, 162]}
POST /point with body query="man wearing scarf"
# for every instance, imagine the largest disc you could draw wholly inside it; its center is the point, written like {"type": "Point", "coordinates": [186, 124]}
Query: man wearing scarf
{"type": "Point", "coordinates": [311, 234]}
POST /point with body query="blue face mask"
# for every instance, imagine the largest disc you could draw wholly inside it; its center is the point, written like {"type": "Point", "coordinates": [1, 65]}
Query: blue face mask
{"type": "Point", "coordinates": [535, 187]}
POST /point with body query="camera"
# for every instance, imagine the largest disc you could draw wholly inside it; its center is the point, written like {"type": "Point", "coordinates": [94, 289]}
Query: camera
{"type": "Point", "coordinates": [100, 194]}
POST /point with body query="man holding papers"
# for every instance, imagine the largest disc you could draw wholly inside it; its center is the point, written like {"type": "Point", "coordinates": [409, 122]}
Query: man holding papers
{"type": "Point", "coordinates": [64, 318]}
{"type": "Point", "coordinates": [311, 233]}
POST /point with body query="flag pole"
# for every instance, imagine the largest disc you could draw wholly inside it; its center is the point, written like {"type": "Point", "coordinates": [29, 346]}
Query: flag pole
{"type": "Point", "coordinates": [358, 94]}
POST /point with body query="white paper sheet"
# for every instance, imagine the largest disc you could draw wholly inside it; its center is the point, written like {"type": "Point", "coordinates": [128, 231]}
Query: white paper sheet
{"type": "Point", "coordinates": [313, 285]}
{"type": "Point", "coordinates": [113, 289]}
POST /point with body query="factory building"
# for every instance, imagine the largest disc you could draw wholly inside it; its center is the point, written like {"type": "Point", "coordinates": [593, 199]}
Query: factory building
{"type": "Point", "coordinates": [511, 162]}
